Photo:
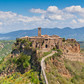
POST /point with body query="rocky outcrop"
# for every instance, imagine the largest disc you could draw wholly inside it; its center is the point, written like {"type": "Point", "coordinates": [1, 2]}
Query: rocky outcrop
{"type": "Point", "coordinates": [71, 46]}
{"type": "Point", "coordinates": [71, 50]}
{"type": "Point", "coordinates": [24, 46]}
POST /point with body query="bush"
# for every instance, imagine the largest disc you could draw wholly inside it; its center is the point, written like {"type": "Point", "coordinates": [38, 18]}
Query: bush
{"type": "Point", "coordinates": [20, 42]}
{"type": "Point", "coordinates": [23, 60]}
{"type": "Point", "coordinates": [63, 40]}
{"type": "Point", "coordinates": [54, 48]}
{"type": "Point", "coordinates": [46, 53]}
{"type": "Point", "coordinates": [1, 60]}
{"type": "Point", "coordinates": [59, 52]}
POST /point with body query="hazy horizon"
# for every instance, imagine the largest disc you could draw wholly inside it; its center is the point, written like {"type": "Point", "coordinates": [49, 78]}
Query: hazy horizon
{"type": "Point", "coordinates": [29, 14]}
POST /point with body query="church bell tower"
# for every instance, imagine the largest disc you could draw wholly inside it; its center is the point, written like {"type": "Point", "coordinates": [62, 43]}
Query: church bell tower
{"type": "Point", "coordinates": [39, 31]}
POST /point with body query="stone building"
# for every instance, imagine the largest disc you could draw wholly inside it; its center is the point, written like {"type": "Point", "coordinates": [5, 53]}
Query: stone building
{"type": "Point", "coordinates": [45, 42]}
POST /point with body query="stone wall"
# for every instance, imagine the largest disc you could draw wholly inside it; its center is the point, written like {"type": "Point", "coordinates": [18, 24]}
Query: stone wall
{"type": "Point", "coordinates": [69, 47]}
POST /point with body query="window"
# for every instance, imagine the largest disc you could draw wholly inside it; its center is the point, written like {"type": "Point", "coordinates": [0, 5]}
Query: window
{"type": "Point", "coordinates": [46, 46]}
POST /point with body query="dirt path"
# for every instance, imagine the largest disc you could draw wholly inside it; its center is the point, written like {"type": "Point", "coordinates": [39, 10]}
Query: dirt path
{"type": "Point", "coordinates": [43, 66]}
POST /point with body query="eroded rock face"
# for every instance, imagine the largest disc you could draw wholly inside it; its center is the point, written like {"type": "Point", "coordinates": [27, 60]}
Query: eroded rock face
{"type": "Point", "coordinates": [54, 63]}
{"type": "Point", "coordinates": [71, 50]}
{"type": "Point", "coordinates": [71, 47]}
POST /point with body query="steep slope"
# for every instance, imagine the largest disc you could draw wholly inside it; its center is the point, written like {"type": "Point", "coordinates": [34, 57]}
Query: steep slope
{"type": "Point", "coordinates": [43, 66]}
{"type": "Point", "coordinates": [24, 64]}
{"type": "Point", "coordinates": [21, 65]}
{"type": "Point", "coordinates": [62, 71]}
{"type": "Point", "coordinates": [18, 71]}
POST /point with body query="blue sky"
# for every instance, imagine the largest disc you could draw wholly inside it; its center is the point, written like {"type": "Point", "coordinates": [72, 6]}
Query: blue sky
{"type": "Point", "coordinates": [23, 6]}
{"type": "Point", "coordinates": [29, 14]}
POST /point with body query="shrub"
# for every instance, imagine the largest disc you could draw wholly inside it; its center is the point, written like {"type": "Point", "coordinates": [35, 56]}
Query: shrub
{"type": "Point", "coordinates": [23, 60]}
{"type": "Point", "coordinates": [1, 60]}
{"type": "Point", "coordinates": [59, 52]}
{"type": "Point", "coordinates": [46, 53]}
{"type": "Point", "coordinates": [63, 39]}
{"type": "Point", "coordinates": [54, 48]}
{"type": "Point", "coordinates": [20, 42]}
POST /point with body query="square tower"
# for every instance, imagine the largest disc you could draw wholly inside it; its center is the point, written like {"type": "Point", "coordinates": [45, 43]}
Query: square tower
{"type": "Point", "coordinates": [39, 31]}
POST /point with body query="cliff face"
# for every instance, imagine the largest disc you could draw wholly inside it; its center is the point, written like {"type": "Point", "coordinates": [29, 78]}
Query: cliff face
{"type": "Point", "coordinates": [22, 59]}
{"type": "Point", "coordinates": [24, 46]}
{"type": "Point", "coordinates": [71, 50]}
{"type": "Point", "coordinates": [71, 46]}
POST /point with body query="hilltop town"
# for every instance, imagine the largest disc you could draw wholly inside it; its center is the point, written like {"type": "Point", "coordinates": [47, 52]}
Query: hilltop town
{"type": "Point", "coordinates": [44, 43]}
{"type": "Point", "coordinates": [42, 55]}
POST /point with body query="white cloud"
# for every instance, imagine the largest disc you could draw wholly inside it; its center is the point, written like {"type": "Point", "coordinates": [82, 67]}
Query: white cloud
{"type": "Point", "coordinates": [27, 19]}
{"type": "Point", "coordinates": [5, 15]}
{"type": "Point", "coordinates": [57, 14]}
{"type": "Point", "coordinates": [72, 16]}
{"type": "Point", "coordinates": [74, 21]}
{"type": "Point", "coordinates": [37, 11]}
{"type": "Point", "coordinates": [1, 23]}
{"type": "Point", "coordinates": [74, 9]}
{"type": "Point", "coordinates": [81, 20]}
{"type": "Point", "coordinates": [8, 18]}
{"type": "Point", "coordinates": [52, 9]}
{"type": "Point", "coordinates": [54, 17]}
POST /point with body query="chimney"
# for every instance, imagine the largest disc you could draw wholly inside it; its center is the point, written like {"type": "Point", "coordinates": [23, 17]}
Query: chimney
{"type": "Point", "coordinates": [39, 31]}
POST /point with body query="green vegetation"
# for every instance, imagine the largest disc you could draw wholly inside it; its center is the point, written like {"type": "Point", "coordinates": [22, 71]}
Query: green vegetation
{"type": "Point", "coordinates": [24, 67]}
{"type": "Point", "coordinates": [64, 71]}
{"type": "Point", "coordinates": [76, 70]}
{"type": "Point", "coordinates": [56, 55]}
{"type": "Point", "coordinates": [20, 69]}
{"type": "Point", "coordinates": [23, 60]}
{"type": "Point", "coordinates": [82, 46]}
{"type": "Point", "coordinates": [18, 64]}
{"type": "Point", "coordinates": [19, 42]}
{"type": "Point", "coordinates": [59, 52]}
{"type": "Point", "coordinates": [63, 40]}
{"type": "Point", "coordinates": [54, 48]}
{"type": "Point", "coordinates": [44, 54]}
{"type": "Point", "coordinates": [5, 48]}
{"type": "Point", "coordinates": [18, 78]}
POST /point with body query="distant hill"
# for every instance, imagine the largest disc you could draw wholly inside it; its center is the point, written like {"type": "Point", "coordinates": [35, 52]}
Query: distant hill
{"type": "Point", "coordinates": [67, 32]}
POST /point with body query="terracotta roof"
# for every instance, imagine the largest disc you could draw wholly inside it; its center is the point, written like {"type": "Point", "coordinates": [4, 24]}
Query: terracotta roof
{"type": "Point", "coordinates": [45, 35]}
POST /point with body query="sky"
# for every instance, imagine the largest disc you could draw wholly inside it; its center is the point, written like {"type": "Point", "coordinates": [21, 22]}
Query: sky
{"type": "Point", "coordinates": [29, 14]}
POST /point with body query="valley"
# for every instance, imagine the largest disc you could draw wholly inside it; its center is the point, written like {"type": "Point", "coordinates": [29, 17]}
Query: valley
{"type": "Point", "coordinates": [5, 48]}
